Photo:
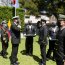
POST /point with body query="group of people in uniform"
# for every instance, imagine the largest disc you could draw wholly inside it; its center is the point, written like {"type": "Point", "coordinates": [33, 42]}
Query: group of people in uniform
{"type": "Point", "coordinates": [55, 34]}
{"type": "Point", "coordinates": [15, 39]}
{"type": "Point", "coordinates": [4, 38]}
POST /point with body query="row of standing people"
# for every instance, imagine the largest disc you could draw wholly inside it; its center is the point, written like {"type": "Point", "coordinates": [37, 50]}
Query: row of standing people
{"type": "Point", "coordinates": [30, 32]}
{"type": "Point", "coordinates": [56, 34]}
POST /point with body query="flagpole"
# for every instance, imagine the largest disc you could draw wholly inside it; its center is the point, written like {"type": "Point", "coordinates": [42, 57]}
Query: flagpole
{"type": "Point", "coordinates": [15, 9]}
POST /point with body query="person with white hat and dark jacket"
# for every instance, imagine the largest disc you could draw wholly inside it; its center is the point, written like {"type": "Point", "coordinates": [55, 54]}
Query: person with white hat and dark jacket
{"type": "Point", "coordinates": [15, 40]}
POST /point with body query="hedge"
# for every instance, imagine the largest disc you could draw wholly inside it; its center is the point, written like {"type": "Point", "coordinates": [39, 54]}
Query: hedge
{"type": "Point", "coordinates": [7, 13]}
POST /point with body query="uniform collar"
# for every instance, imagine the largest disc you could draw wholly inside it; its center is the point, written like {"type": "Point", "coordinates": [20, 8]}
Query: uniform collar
{"type": "Point", "coordinates": [62, 27]}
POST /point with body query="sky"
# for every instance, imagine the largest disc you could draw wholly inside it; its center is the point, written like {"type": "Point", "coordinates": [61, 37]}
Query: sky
{"type": "Point", "coordinates": [17, 4]}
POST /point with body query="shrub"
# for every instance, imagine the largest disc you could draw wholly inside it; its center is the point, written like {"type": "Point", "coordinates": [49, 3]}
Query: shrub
{"type": "Point", "coordinates": [7, 13]}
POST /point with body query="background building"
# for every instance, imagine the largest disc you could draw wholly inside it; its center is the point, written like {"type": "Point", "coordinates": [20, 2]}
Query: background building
{"type": "Point", "coordinates": [8, 3]}
{"type": "Point", "coordinates": [5, 2]}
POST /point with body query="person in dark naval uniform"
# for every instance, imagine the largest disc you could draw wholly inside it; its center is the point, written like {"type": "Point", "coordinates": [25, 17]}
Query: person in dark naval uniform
{"type": "Point", "coordinates": [52, 40]}
{"type": "Point", "coordinates": [29, 32]}
{"type": "Point", "coordinates": [60, 45]}
{"type": "Point", "coordinates": [43, 41]}
{"type": "Point", "coordinates": [4, 39]}
{"type": "Point", "coordinates": [15, 40]}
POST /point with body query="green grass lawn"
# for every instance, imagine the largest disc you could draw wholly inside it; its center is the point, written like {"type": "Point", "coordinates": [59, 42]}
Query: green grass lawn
{"type": "Point", "coordinates": [23, 59]}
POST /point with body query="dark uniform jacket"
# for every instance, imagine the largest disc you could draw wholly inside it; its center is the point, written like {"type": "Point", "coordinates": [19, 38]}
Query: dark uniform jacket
{"type": "Point", "coordinates": [60, 45]}
{"type": "Point", "coordinates": [53, 32]}
{"type": "Point", "coordinates": [43, 32]}
{"type": "Point", "coordinates": [4, 34]}
{"type": "Point", "coordinates": [15, 34]}
{"type": "Point", "coordinates": [30, 31]}
{"type": "Point", "coordinates": [4, 37]}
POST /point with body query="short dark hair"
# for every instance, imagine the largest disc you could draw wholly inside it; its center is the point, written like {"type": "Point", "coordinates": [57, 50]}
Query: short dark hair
{"type": "Point", "coordinates": [43, 20]}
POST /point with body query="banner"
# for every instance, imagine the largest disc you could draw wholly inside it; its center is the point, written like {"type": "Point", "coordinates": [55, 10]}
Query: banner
{"type": "Point", "coordinates": [9, 24]}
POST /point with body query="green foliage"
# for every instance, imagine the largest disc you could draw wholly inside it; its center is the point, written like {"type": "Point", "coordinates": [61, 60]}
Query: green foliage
{"type": "Point", "coordinates": [22, 2]}
{"type": "Point", "coordinates": [34, 6]}
{"type": "Point", "coordinates": [30, 6]}
{"type": "Point", "coordinates": [7, 13]}
{"type": "Point", "coordinates": [20, 12]}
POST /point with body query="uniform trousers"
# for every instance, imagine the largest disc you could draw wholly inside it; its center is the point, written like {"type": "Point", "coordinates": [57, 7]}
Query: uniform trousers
{"type": "Point", "coordinates": [29, 44]}
{"type": "Point", "coordinates": [43, 53]}
{"type": "Point", "coordinates": [58, 62]}
{"type": "Point", "coordinates": [13, 57]}
{"type": "Point", "coordinates": [59, 56]}
{"type": "Point", "coordinates": [51, 48]}
{"type": "Point", "coordinates": [4, 48]}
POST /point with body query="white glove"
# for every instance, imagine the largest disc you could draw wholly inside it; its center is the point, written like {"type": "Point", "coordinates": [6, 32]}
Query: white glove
{"type": "Point", "coordinates": [50, 38]}
{"type": "Point", "coordinates": [35, 34]}
{"type": "Point", "coordinates": [24, 34]}
{"type": "Point", "coordinates": [19, 26]}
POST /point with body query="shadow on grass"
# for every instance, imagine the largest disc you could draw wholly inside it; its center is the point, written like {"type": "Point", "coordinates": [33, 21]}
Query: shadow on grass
{"type": "Point", "coordinates": [36, 58]}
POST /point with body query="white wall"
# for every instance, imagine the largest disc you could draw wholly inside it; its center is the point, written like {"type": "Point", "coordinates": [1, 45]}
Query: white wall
{"type": "Point", "coordinates": [34, 19]}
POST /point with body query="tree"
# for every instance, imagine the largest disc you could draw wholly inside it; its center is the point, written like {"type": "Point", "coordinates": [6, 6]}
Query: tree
{"type": "Point", "coordinates": [30, 6]}
{"type": "Point", "coordinates": [52, 6]}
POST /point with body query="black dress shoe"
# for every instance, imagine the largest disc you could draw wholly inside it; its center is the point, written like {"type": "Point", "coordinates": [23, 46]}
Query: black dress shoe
{"type": "Point", "coordinates": [53, 59]}
{"type": "Point", "coordinates": [17, 62]}
{"type": "Point", "coordinates": [6, 53]}
{"type": "Point", "coordinates": [30, 54]}
{"type": "Point", "coordinates": [50, 57]}
{"type": "Point", "coordinates": [1, 54]}
{"type": "Point", "coordinates": [4, 56]}
{"type": "Point", "coordinates": [41, 64]}
{"type": "Point", "coordinates": [47, 59]}
{"type": "Point", "coordinates": [14, 64]}
{"type": "Point", "coordinates": [27, 54]}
